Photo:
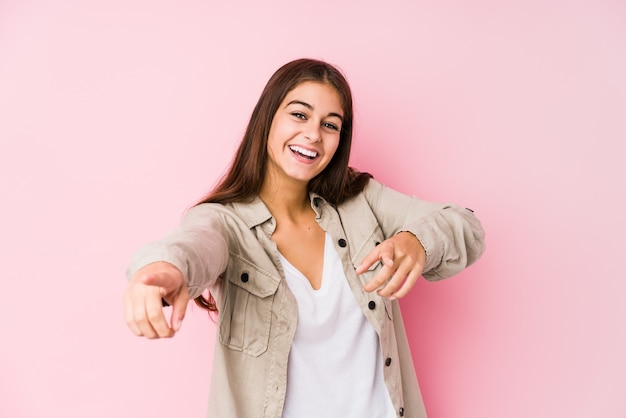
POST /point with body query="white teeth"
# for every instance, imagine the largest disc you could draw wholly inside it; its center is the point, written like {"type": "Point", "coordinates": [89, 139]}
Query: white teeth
{"type": "Point", "coordinates": [300, 150]}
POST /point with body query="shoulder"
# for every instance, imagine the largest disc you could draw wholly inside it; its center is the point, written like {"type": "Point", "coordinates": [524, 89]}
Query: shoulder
{"type": "Point", "coordinates": [364, 201]}
{"type": "Point", "coordinates": [371, 193]}
{"type": "Point", "coordinates": [373, 188]}
{"type": "Point", "coordinates": [206, 211]}
{"type": "Point", "coordinates": [239, 215]}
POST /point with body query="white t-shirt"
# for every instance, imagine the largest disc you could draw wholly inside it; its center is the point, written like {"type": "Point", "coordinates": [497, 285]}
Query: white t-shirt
{"type": "Point", "coordinates": [335, 365]}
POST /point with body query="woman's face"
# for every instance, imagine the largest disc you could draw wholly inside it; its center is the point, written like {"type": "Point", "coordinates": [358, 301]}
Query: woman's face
{"type": "Point", "coordinates": [305, 132]}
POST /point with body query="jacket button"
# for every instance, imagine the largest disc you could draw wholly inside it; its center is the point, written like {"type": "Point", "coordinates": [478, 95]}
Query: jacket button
{"type": "Point", "coordinates": [401, 411]}
{"type": "Point", "coordinates": [342, 242]}
{"type": "Point", "coordinates": [244, 277]}
{"type": "Point", "coordinates": [388, 361]}
{"type": "Point", "coordinates": [371, 305]}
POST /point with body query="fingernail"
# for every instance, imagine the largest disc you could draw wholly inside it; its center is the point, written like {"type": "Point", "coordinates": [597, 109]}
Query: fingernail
{"type": "Point", "coordinates": [178, 325]}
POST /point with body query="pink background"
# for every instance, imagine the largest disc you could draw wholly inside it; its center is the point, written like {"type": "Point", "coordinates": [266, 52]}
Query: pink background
{"type": "Point", "coordinates": [116, 115]}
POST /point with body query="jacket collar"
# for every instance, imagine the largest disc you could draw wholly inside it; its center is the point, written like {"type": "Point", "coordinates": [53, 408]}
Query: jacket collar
{"type": "Point", "coordinates": [255, 212]}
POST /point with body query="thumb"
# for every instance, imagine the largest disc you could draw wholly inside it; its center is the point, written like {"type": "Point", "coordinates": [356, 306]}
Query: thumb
{"type": "Point", "coordinates": [163, 275]}
{"type": "Point", "coordinates": [165, 280]}
{"type": "Point", "coordinates": [179, 308]}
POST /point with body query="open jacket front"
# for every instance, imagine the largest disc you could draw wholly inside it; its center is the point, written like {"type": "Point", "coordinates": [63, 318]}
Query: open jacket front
{"type": "Point", "coordinates": [228, 249]}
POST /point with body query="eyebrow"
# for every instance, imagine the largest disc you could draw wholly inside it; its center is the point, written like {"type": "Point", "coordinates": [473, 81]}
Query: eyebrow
{"type": "Point", "coordinates": [308, 106]}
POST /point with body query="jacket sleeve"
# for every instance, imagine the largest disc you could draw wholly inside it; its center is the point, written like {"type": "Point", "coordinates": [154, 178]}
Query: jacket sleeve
{"type": "Point", "coordinates": [451, 235]}
{"type": "Point", "coordinates": [198, 248]}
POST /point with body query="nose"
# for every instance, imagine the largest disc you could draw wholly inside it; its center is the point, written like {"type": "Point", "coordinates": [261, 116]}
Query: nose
{"type": "Point", "coordinates": [313, 134]}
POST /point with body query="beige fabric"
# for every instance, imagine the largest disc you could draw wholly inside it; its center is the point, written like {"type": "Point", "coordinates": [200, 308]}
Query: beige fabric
{"type": "Point", "coordinates": [228, 249]}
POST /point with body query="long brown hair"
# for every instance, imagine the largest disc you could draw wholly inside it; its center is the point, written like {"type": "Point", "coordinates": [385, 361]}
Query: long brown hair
{"type": "Point", "coordinates": [243, 180]}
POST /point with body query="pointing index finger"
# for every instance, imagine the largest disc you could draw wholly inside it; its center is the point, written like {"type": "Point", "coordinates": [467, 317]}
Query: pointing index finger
{"type": "Point", "coordinates": [368, 261]}
{"type": "Point", "coordinates": [380, 253]}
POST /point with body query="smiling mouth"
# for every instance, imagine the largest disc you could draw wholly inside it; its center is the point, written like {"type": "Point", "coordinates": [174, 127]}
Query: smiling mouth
{"type": "Point", "coordinates": [303, 152]}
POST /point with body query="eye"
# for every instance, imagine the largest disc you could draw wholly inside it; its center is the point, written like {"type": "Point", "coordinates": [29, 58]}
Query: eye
{"type": "Point", "coordinates": [330, 125]}
{"type": "Point", "coordinates": [299, 115]}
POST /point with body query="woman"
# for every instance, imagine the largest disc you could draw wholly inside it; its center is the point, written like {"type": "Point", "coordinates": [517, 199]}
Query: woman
{"type": "Point", "coordinates": [304, 259]}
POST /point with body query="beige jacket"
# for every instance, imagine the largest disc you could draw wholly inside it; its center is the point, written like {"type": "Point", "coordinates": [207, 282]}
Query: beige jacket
{"type": "Point", "coordinates": [228, 249]}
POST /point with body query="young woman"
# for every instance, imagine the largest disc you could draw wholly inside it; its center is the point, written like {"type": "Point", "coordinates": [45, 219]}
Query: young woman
{"type": "Point", "coordinates": [303, 258]}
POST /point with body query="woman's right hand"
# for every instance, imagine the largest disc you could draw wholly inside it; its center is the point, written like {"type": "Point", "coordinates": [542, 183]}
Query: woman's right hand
{"type": "Point", "coordinates": [143, 309]}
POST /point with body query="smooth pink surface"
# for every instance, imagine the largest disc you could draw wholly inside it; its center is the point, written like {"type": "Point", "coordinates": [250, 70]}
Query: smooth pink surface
{"type": "Point", "coordinates": [115, 116]}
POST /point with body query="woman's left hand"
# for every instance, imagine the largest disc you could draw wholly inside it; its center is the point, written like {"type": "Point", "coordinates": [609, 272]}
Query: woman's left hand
{"type": "Point", "coordinates": [403, 258]}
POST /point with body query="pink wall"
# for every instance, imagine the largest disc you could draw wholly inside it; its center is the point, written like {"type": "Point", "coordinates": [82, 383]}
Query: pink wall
{"type": "Point", "coordinates": [116, 115]}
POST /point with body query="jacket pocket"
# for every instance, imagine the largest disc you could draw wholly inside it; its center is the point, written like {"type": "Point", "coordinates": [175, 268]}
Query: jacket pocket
{"type": "Point", "coordinates": [246, 310]}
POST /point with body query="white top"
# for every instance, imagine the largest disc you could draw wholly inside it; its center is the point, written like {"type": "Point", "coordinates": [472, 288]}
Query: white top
{"type": "Point", "coordinates": [335, 364]}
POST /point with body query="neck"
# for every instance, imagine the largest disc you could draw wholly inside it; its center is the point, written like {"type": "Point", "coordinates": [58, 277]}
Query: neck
{"type": "Point", "coordinates": [286, 200]}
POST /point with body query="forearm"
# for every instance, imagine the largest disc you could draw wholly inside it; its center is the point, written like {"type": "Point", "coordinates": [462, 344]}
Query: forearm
{"type": "Point", "coordinates": [198, 248]}
{"type": "Point", "coordinates": [453, 239]}
{"type": "Point", "coordinates": [452, 236]}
